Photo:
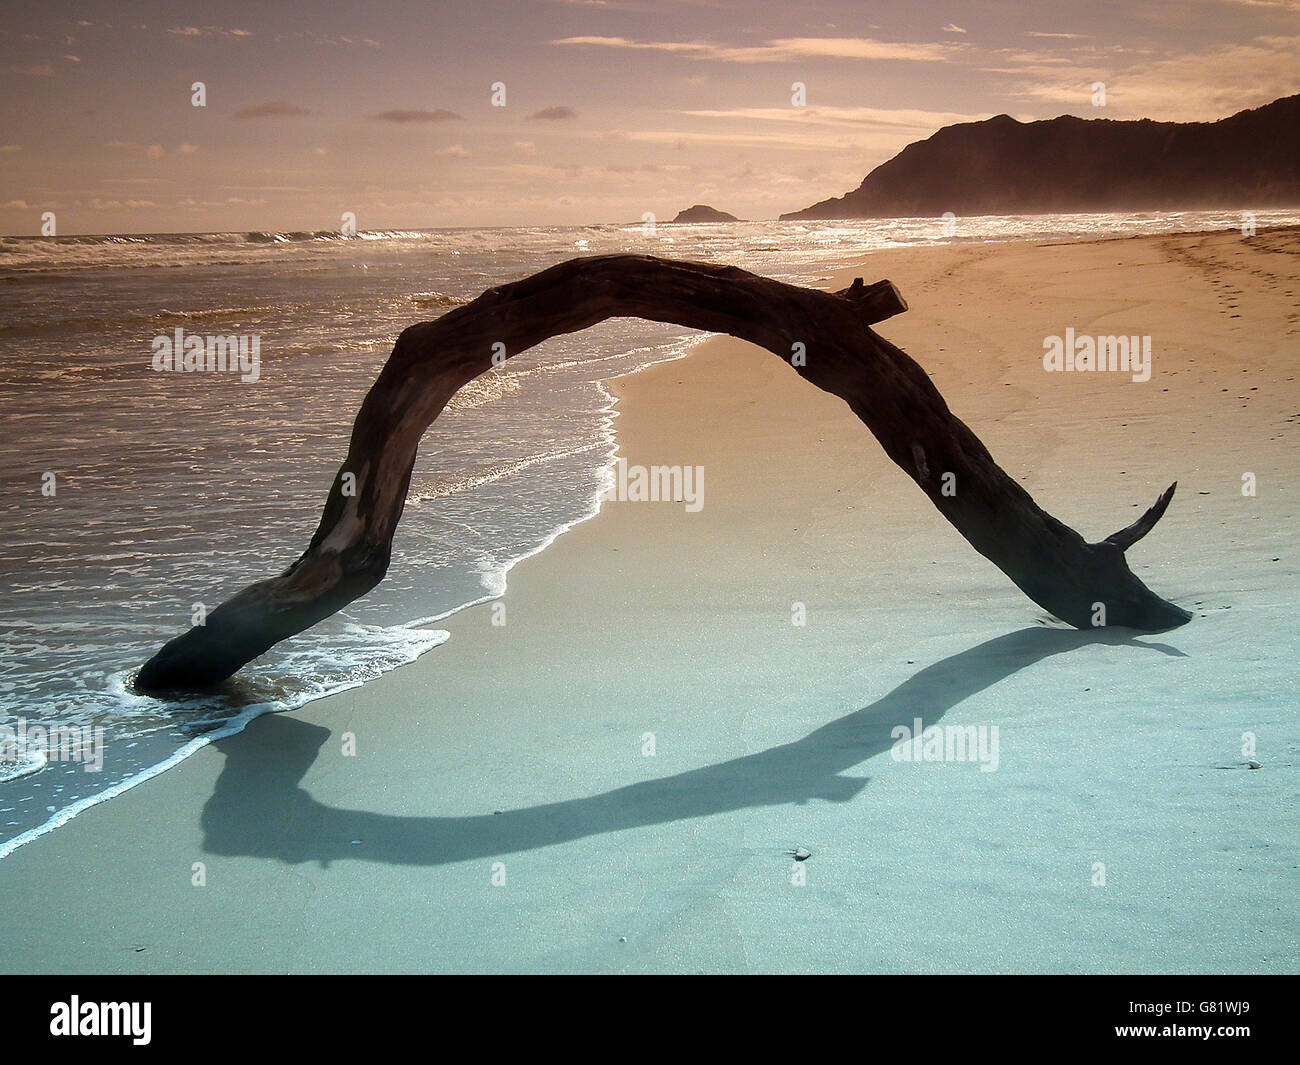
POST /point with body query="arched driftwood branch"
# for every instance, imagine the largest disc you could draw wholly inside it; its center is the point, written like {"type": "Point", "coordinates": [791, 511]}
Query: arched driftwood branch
{"type": "Point", "coordinates": [1050, 562]}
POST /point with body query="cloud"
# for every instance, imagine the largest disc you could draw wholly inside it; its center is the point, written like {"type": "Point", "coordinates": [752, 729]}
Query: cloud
{"type": "Point", "coordinates": [554, 114]}
{"type": "Point", "coordinates": [782, 49]}
{"type": "Point", "coordinates": [952, 28]}
{"type": "Point", "coordinates": [336, 40]}
{"type": "Point", "coordinates": [402, 117]}
{"type": "Point", "coordinates": [207, 31]}
{"type": "Point", "coordinates": [455, 151]}
{"type": "Point", "coordinates": [862, 132]}
{"type": "Point", "coordinates": [791, 138]}
{"type": "Point", "coordinates": [149, 151]}
{"type": "Point", "coordinates": [33, 70]}
{"type": "Point", "coordinates": [190, 202]}
{"type": "Point", "coordinates": [856, 117]}
{"type": "Point", "coordinates": [188, 149]}
{"type": "Point", "coordinates": [275, 109]}
{"type": "Point", "coordinates": [7, 148]}
{"type": "Point", "coordinates": [1056, 36]}
{"type": "Point", "coordinates": [1172, 88]}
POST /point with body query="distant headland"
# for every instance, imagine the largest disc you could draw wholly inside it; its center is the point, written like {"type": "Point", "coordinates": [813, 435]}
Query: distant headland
{"type": "Point", "coordinates": [1068, 164]}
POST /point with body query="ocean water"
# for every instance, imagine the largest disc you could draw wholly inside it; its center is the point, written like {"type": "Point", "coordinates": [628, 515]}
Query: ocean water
{"type": "Point", "coordinates": [133, 497]}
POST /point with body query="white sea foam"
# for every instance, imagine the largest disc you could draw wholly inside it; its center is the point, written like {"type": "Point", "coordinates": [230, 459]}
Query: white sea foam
{"type": "Point", "coordinates": [23, 764]}
{"type": "Point", "coordinates": [402, 646]}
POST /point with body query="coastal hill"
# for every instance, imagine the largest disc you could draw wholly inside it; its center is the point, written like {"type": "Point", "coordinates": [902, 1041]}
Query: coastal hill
{"type": "Point", "coordinates": [703, 213]}
{"type": "Point", "coordinates": [1068, 164]}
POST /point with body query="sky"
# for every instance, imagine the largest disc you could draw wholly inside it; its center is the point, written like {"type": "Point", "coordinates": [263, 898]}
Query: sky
{"type": "Point", "coordinates": [612, 108]}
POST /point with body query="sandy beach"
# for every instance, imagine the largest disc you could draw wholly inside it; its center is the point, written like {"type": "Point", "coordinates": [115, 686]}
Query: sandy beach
{"type": "Point", "coordinates": [619, 777]}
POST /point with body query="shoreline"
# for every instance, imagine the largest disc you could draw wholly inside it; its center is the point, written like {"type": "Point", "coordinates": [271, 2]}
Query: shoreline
{"type": "Point", "coordinates": [252, 712]}
{"type": "Point", "coordinates": [695, 616]}
{"type": "Point", "coordinates": [1162, 213]}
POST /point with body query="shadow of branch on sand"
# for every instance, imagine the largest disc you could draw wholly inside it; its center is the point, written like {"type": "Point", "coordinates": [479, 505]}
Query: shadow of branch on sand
{"type": "Point", "coordinates": [258, 808]}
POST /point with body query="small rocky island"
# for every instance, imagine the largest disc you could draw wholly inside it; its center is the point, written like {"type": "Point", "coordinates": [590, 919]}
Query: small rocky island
{"type": "Point", "coordinates": [703, 213]}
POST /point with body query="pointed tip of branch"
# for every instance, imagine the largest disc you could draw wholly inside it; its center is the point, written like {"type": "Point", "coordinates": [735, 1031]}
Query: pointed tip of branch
{"type": "Point", "coordinates": [874, 303]}
{"type": "Point", "coordinates": [1126, 538]}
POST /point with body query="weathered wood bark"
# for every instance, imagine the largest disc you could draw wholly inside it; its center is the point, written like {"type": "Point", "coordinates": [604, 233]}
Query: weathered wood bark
{"type": "Point", "coordinates": [350, 552]}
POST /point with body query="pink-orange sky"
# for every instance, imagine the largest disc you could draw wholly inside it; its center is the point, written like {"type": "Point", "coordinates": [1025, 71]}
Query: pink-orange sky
{"type": "Point", "coordinates": [612, 107]}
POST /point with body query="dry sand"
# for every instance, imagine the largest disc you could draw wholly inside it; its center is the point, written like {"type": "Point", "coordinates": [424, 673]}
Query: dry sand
{"type": "Point", "coordinates": [517, 753]}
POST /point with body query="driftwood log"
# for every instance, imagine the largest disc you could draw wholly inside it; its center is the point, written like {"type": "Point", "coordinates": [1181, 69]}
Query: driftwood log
{"type": "Point", "coordinates": [1081, 583]}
